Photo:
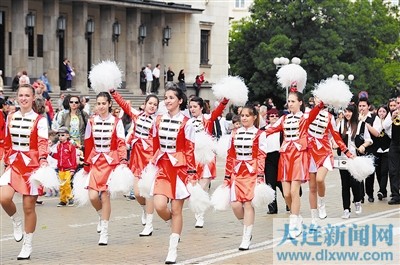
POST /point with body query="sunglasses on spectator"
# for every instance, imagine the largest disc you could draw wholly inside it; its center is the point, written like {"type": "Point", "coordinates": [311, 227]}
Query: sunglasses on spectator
{"type": "Point", "coordinates": [273, 116]}
{"type": "Point", "coordinates": [62, 135]}
{"type": "Point", "coordinates": [74, 102]}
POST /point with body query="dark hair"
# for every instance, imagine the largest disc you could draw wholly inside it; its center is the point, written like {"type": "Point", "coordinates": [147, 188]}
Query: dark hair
{"type": "Point", "coordinates": [180, 95]}
{"type": "Point", "coordinates": [353, 121]}
{"type": "Point", "coordinates": [365, 99]}
{"type": "Point", "coordinates": [148, 97]}
{"type": "Point", "coordinates": [65, 102]}
{"type": "Point", "coordinates": [39, 106]}
{"type": "Point", "coordinates": [383, 107]}
{"type": "Point", "coordinates": [199, 101]}
{"type": "Point", "coordinates": [229, 116]}
{"type": "Point", "coordinates": [235, 119]}
{"type": "Point", "coordinates": [79, 101]}
{"type": "Point", "coordinates": [108, 97]}
{"type": "Point", "coordinates": [253, 111]}
{"type": "Point", "coordinates": [300, 97]}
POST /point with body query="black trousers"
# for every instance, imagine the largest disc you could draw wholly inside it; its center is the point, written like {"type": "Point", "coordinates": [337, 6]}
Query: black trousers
{"type": "Point", "coordinates": [382, 171]}
{"type": "Point", "coordinates": [348, 182]}
{"type": "Point", "coordinates": [271, 176]}
{"type": "Point", "coordinates": [394, 171]}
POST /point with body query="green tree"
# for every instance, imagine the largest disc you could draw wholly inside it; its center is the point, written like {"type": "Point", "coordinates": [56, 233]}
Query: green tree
{"type": "Point", "coordinates": [330, 37]}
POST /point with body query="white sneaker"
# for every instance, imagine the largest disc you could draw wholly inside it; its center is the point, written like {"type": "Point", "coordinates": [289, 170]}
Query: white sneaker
{"type": "Point", "coordinates": [346, 214]}
{"type": "Point", "coordinates": [17, 225]}
{"type": "Point", "coordinates": [358, 207]}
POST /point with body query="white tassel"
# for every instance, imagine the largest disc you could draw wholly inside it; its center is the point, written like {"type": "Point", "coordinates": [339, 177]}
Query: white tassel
{"type": "Point", "coordinates": [105, 75]}
{"type": "Point", "coordinates": [199, 200]}
{"type": "Point", "coordinates": [291, 73]}
{"type": "Point", "coordinates": [46, 177]}
{"type": "Point", "coordinates": [203, 148]}
{"type": "Point", "coordinates": [148, 176]}
{"type": "Point", "coordinates": [81, 182]}
{"type": "Point", "coordinates": [220, 199]}
{"type": "Point", "coordinates": [263, 195]}
{"type": "Point", "coordinates": [361, 167]}
{"type": "Point", "coordinates": [120, 180]}
{"type": "Point", "coordinates": [222, 145]}
{"type": "Point", "coordinates": [232, 88]}
{"type": "Point", "coordinates": [334, 93]}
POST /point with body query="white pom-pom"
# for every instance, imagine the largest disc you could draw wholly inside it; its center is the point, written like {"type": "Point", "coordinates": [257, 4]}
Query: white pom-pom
{"type": "Point", "coordinates": [232, 88]}
{"type": "Point", "coordinates": [105, 75]}
{"type": "Point", "coordinates": [292, 73]}
{"type": "Point", "coordinates": [148, 176]}
{"type": "Point", "coordinates": [221, 199]}
{"type": "Point", "coordinates": [222, 146]}
{"type": "Point", "coordinates": [45, 176]}
{"type": "Point", "coordinates": [203, 148]}
{"type": "Point", "coordinates": [334, 93]}
{"type": "Point", "coordinates": [120, 180]}
{"type": "Point", "coordinates": [81, 182]}
{"type": "Point", "coordinates": [199, 200]}
{"type": "Point", "coordinates": [263, 195]}
{"type": "Point", "coordinates": [361, 167]}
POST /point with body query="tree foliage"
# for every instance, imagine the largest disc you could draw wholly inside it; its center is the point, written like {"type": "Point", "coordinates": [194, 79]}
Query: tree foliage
{"type": "Point", "coordinates": [330, 37]}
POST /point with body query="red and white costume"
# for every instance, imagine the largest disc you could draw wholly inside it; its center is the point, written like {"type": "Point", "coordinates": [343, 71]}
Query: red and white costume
{"type": "Point", "coordinates": [320, 131]}
{"type": "Point", "coordinates": [205, 122]}
{"type": "Point", "coordinates": [141, 139]}
{"type": "Point", "coordinates": [25, 144]}
{"type": "Point", "coordinates": [104, 149]}
{"type": "Point", "coordinates": [294, 158]}
{"type": "Point", "coordinates": [174, 157]}
{"type": "Point", "coordinates": [245, 161]}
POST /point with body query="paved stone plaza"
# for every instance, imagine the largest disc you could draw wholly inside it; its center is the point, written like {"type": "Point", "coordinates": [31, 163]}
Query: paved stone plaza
{"type": "Point", "coordinates": [68, 235]}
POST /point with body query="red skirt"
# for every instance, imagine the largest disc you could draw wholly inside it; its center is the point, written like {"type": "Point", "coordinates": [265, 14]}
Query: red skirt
{"type": "Point", "coordinates": [99, 173]}
{"type": "Point", "coordinates": [170, 181]}
{"type": "Point", "coordinates": [321, 156]}
{"type": "Point", "coordinates": [293, 165]}
{"type": "Point", "coordinates": [139, 157]}
{"type": "Point", "coordinates": [243, 184]}
{"type": "Point", "coordinates": [207, 171]}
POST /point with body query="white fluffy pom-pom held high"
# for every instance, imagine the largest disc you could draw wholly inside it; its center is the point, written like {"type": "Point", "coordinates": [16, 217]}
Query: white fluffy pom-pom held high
{"type": "Point", "coordinates": [361, 167]}
{"type": "Point", "coordinates": [221, 198]}
{"type": "Point", "coordinates": [120, 180]}
{"type": "Point", "coordinates": [263, 195]}
{"type": "Point", "coordinates": [232, 88]}
{"type": "Point", "coordinates": [80, 191]}
{"type": "Point", "coordinates": [105, 75]}
{"type": "Point", "coordinates": [45, 176]}
{"type": "Point", "coordinates": [147, 179]}
{"type": "Point", "coordinates": [203, 148]}
{"type": "Point", "coordinates": [334, 93]}
{"type": "Point", "coordinates": [292, 74]}
{"type": "Point", "coordinates": [199, 200]}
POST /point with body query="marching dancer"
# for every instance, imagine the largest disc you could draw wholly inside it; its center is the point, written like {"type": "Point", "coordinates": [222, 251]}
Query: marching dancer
{"type": "Point", "coordinates": [321, 158]}
{"type": "Point", "coordinates": [204, 123]}
{"type": "Point", "coordinates": [176, 163]}
{"type": "Point", "coordinates": [141, 142]}
{"type": "Point", "coordinates": [104, 150]}
{"type": "Point", "coordinates": [245, 168]}
{"type": "Point", "coordinates": [26, 144]}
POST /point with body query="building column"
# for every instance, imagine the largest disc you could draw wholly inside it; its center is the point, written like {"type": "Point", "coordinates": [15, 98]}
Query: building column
{"type": "Point", "coordinates": [50, 42]}
{"type": "Point", "coordinates": [79, 45]}
{"type": "Point", "coordinates": [107, 17]}
{"type": "Point", "coordinates": [134, 51]}
{"type": "Point", "coordinates": [19, 38]}
{"type": "Point", "coordinates": [154, 41]}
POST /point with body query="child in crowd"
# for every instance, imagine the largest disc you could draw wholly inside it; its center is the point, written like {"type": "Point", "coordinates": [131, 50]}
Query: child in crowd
{"type": "Point", "coordinates": [52, 161]}
{"type": "Point", "coordinates": [236, 122]}
{"type": "Point", "coordinates": [67, 164]}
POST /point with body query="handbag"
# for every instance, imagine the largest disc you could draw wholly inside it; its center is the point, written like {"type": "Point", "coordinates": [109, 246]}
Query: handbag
{"type": "Point", "coordinates": [340, 162]}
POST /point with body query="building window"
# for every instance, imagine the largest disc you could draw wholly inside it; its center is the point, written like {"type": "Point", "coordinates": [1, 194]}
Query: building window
{"type": "Point", "coordinates": [40, 45]}
{"type": "Point", "coordinates": [239, 3]}
{"type": "Point", "coordinates": [31, 44]}
{"type": "Point", "coordinates": [9, 43]}
{"type": "Point", "coordinates": [204, 43]}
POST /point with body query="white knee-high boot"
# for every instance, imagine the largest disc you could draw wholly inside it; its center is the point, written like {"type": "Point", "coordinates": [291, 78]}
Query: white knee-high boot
{"type": "Point", "coordinates": [98, 229]}
{"type": "Point", "coordinates": [103, 241]}
{"type": "Point", "coordinates": [26, 247]}
{"type": "Point", "coordinates": [295, 225]}
{"type": "Point", "coordinates": [314, 218]}
{"type": "Point", "coordinates": [148, 228]}
{"type": "Point", "coordinates": [173, 248]}
{"type": "Point", "coordinates": [199, 220]}
{"type": "Point", "coordinates": [143, 217]}
{"type": "Point", "coordinates": [246, 239]}
{"type": "Point", "coordinates": [321, 208]}
{"type": "Point", "coordinates": [17, 225]}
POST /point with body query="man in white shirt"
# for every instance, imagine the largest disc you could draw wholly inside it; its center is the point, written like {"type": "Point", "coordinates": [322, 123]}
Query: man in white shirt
{"type": "Point", "coordinates": [149, 78]}
{"type": "Point", "coordinates": [156, 79]}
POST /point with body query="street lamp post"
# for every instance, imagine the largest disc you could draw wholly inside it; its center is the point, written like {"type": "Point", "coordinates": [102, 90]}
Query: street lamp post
{"type": "Point", "coordinates": [282, 61]}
